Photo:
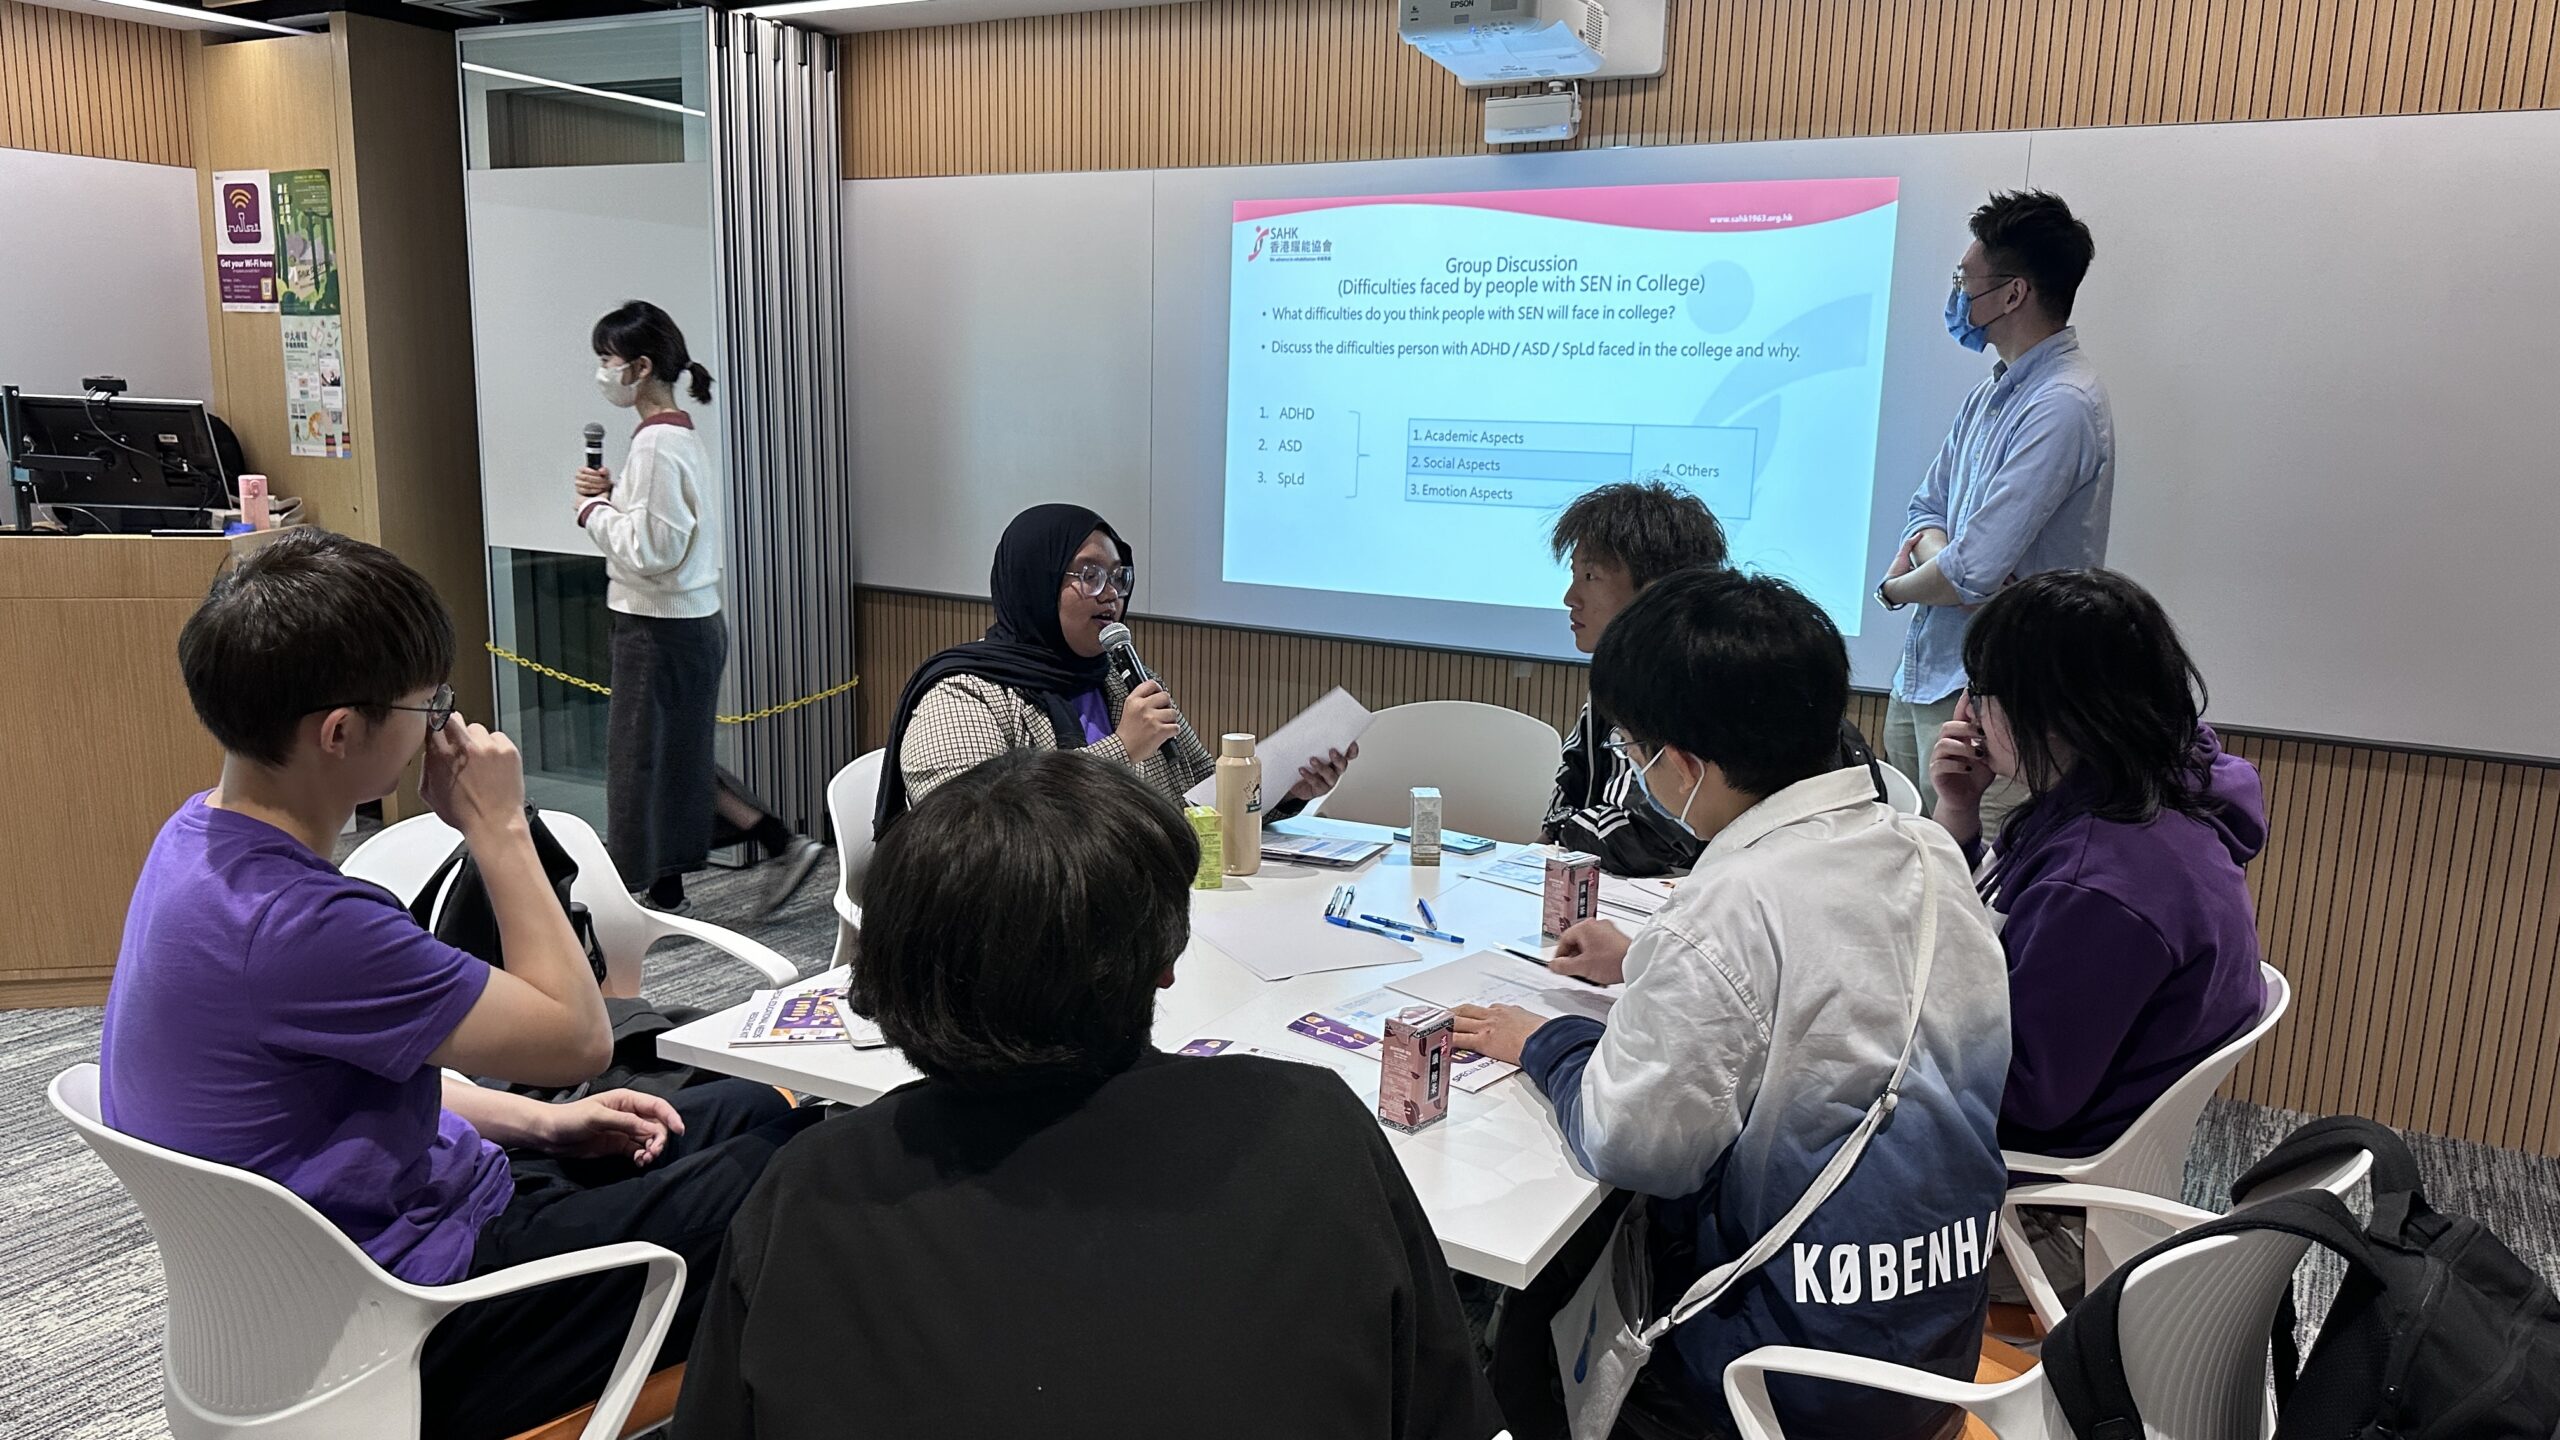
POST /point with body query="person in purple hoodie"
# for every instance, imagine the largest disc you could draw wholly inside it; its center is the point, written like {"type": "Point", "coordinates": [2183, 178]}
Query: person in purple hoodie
{"type": "Point", "coordinates": [2132, 949]}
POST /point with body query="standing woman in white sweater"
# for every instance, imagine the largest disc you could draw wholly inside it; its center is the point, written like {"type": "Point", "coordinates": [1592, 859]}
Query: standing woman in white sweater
{"type": "Point", "coordinates": [658, 525]}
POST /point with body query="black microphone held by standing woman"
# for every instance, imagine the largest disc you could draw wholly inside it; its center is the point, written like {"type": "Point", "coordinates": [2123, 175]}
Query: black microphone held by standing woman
{"type": "Point", "coordinates": [595, 446]}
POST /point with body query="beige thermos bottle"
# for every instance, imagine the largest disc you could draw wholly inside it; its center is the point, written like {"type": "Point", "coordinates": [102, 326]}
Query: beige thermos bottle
{"type": "Point", "coordinates": [1239, 804]}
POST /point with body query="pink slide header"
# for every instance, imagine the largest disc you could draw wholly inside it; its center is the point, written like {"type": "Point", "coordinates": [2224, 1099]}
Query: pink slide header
{"type": "Point", "coordinates": [1731, 205]}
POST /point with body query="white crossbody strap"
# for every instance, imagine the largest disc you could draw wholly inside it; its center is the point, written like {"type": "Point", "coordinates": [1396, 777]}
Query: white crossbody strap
{"type": "Point", "coordinates": [1712, 1285]}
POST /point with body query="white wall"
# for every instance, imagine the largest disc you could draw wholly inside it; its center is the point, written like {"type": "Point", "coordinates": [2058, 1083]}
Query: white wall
{"type": "Point", "coordinates": [552, 250]}
{"type": "Point", "coordinates": [106, 261]}
{"type": "Point", "coordinates": [2332, 345]}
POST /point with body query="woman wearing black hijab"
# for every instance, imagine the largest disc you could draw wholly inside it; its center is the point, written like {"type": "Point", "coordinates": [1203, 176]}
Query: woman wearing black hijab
{"type": "Point", "coordinates": [1038, 679]}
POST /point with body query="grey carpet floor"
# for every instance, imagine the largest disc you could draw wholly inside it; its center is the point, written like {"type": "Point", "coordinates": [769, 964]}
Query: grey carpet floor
{"type": "Point", "coordinates": [80, 1281]}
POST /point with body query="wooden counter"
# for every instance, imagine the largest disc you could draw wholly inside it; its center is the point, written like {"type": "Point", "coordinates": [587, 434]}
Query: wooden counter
{"type": "Point", "coordinates": [97, 744]}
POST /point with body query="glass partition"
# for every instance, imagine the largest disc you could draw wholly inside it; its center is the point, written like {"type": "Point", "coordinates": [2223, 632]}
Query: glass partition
{"type": "Point", "coordinates": [588, 183]}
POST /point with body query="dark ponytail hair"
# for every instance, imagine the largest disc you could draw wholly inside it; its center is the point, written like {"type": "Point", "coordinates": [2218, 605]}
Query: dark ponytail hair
{"type": "Point", "coordinates": [2085, 663]}
{"type": "Point", "coordinates": [638, 330]}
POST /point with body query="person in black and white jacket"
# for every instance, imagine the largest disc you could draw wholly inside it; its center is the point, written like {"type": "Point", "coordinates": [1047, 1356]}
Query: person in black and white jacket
{"type": "Point", "coordinates": [1616, 540]}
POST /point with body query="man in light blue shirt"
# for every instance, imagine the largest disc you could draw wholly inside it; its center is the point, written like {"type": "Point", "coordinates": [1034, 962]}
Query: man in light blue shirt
{"type": "Point", "coordinates": [2024, 482]}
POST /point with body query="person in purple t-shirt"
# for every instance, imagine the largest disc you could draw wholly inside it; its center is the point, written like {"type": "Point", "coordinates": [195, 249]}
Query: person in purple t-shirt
{"type": "Point", "coordinates": [2131, 942]}
{"type": "Point", "coordinates": [272, 1014]}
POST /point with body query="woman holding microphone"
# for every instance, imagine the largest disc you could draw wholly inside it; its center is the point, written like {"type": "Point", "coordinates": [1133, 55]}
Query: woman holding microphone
{"type": "Point", "coordinates": [1038, 680]}
{"type": "Point", "coordinates": [667, 803]}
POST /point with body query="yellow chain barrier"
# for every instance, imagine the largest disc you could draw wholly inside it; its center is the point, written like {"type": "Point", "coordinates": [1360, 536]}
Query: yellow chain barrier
{"type": "Point", "coordinates": [565, 678]}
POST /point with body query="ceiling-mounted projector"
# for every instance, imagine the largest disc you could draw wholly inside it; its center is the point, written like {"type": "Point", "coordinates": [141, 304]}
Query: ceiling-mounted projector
{"type": "Point", "coordinates": [1506, 42]}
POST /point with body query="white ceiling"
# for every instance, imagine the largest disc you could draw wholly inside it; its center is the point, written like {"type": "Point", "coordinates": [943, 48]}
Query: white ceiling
{"type": "Point", "coordinates": [917, 14]}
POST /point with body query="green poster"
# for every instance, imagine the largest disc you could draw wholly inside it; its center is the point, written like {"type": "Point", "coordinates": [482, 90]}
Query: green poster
{"type": "Point", "coordinates": [306, 243]}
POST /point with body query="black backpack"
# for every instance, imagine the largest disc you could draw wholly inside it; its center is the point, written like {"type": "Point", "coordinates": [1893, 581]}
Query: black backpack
{"type": "Point", "coordinates": [2438, 1330]}
{"type": "Point", "coordinates": [461, 916]}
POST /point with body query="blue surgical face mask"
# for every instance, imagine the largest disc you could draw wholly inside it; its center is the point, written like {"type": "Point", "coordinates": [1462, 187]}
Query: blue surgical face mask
{"type": "Point", "coordinates": [1680, 821]}
{"type": "Point", "coordinates": [1960, 320]}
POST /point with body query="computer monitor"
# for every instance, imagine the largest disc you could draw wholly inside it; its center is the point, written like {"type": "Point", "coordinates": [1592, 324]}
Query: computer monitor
{"type": "Point", "coordinates": [115, 463]}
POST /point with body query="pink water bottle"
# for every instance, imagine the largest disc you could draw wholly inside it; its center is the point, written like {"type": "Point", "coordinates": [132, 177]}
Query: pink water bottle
{"type": "Point", "coordinates": [253, 501]}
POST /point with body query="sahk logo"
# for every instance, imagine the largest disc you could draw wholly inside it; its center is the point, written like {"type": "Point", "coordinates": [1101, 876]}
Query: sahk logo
{"type": "Point", "coordinates": [242, 217]}
{"type": "Point", "coordinates": [1285, 243]}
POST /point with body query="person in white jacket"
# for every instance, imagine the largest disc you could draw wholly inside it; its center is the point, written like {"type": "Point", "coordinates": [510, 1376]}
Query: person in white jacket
{"type": "Point", "coordinates": [1765, 1007]}
{"type": "Point", "coordinates": [667, 802]}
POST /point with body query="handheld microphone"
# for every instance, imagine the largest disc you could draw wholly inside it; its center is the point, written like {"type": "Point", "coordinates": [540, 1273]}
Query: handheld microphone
{"type": "Point", "coordinates": [1123, 651]}
{"type": "Point", "coordinates": [595, 445]}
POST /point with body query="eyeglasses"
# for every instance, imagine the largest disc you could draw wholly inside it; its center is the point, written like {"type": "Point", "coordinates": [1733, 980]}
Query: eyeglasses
{"type": "Point", "coordinates": [1091, 580]}
{"type": "Point", "coordinates": [1619, 745]}
{"type": "Point", "coordinates": [438, 709]}
{"type": "Point", "coordinates": [1956, 281]}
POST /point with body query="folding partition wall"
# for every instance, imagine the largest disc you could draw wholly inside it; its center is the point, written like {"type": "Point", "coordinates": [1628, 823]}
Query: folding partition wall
{"type": "Point", "coordinates": [677, 159]}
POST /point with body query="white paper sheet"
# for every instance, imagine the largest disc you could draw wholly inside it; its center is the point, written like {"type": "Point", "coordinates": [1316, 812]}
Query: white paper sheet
{"type": "Point", "coordinates": [1620, 897]}
{"type": "Point", "coordinates": [1332, 723]}
{"type": "Point", "coordinates": [1490, 977]}
{"type": "Point", "coordinates": [1636, 897]}
{"type": "Point", "coordinates": [1276, 944]}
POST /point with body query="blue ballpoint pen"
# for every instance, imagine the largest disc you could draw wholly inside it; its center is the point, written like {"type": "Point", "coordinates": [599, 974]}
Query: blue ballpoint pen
{"type": "Point", "coordinates": [1425, 907]}
{"type": "Point", "coordinates": [1367, 929]}
{"type": "Point", "coordinates": [1402, 928]}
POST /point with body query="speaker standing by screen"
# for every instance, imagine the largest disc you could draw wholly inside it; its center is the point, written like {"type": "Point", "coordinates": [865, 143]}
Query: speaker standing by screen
{"type": "Point", "coordinates": [667, 802]}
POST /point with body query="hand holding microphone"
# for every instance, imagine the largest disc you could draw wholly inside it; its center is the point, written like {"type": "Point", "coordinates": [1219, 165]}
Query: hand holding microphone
{"type": "Point", "coordinates": [1147, 718]}
{"type": "Point", "coordinates": [594, 480]}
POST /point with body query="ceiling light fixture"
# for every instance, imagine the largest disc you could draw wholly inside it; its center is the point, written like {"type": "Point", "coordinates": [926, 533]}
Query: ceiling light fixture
{"type": "Point", "coordinates": [589, 90]}
{"type": "Point", "coordinates": [208, 17]}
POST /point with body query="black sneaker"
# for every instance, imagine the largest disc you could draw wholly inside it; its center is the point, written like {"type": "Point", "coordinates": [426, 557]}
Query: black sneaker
{"type": "Point", "coordinates": [682, 908]}
{"type": "Point", "coordinates": [790, 868]}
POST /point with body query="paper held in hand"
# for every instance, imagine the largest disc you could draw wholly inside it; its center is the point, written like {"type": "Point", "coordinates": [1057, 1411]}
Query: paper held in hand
{"type": "Point", "coordinates": [1333, 723]}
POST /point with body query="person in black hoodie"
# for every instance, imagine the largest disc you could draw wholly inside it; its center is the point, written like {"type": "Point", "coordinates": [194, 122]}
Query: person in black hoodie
{"type": "Point", "coordinates": [1616, 540]}
{"type": "Point", "coordinates": [1061, 1231]}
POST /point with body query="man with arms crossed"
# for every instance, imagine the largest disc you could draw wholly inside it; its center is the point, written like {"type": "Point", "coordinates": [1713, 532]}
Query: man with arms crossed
{"type": "Point", "coordinates": [2026, 477]}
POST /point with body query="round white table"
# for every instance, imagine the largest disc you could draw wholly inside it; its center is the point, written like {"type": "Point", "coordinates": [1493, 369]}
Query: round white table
{"type": "Point", "coordinates": [1495, 1178]}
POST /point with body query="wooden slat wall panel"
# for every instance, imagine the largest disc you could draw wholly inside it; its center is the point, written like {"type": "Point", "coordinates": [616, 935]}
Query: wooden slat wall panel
{"type": "Point", "coordinates": [2410, 898]}
{"type": "Point", "coordinates": [81, 84]}
{"type": "Point", "coordinates": [1250, 82]}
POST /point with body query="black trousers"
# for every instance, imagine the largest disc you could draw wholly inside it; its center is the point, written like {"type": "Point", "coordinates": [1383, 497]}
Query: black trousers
{"type": "Point", "coordinates": [499, 1366]}
{"type": "Point", "coordinates": [659, 733]}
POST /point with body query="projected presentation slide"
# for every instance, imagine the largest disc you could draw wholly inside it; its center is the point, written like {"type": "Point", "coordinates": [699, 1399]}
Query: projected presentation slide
{"type": "Point", "coordinates": [1417, 384]}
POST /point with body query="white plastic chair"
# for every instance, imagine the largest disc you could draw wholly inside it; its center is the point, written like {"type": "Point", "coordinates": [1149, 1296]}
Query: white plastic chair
{"type": "Point", "coordinates": [2194, 1333]}
{"type": "Point", "coordinates": [851, 796]}
{"type": "Point", "coordinates": [2128, 1213]}
{"type": "Point", "coordinates": [1899, 791]}
{"type": "Point", "coordinates": [2151, 1156]}
{"type": "Point", "coordinates": [280, 1328]}
{"type": "Point", "coordinates": [1496, 769]}
{"type": "Point", "coordinates": [401, 858]}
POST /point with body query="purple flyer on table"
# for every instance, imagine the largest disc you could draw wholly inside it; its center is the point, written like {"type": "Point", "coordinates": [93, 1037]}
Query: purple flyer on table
{"type": "Point", "coordinates": [1204, 1047]}
{"type": "Point", "coordinates": [1333, 1032]}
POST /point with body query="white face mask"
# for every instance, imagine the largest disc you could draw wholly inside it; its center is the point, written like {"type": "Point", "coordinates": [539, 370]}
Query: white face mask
{"type": "Point", "coordinates": [614, 388]}
{"type": "Point", "coordinates": [1680, 820]}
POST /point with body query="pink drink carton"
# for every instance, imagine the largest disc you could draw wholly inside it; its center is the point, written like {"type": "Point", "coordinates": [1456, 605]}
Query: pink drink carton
{"type": "Point", "coordinates": [1573, 890]}
{"type": "Point", "coordinates": [1413, 1070]}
